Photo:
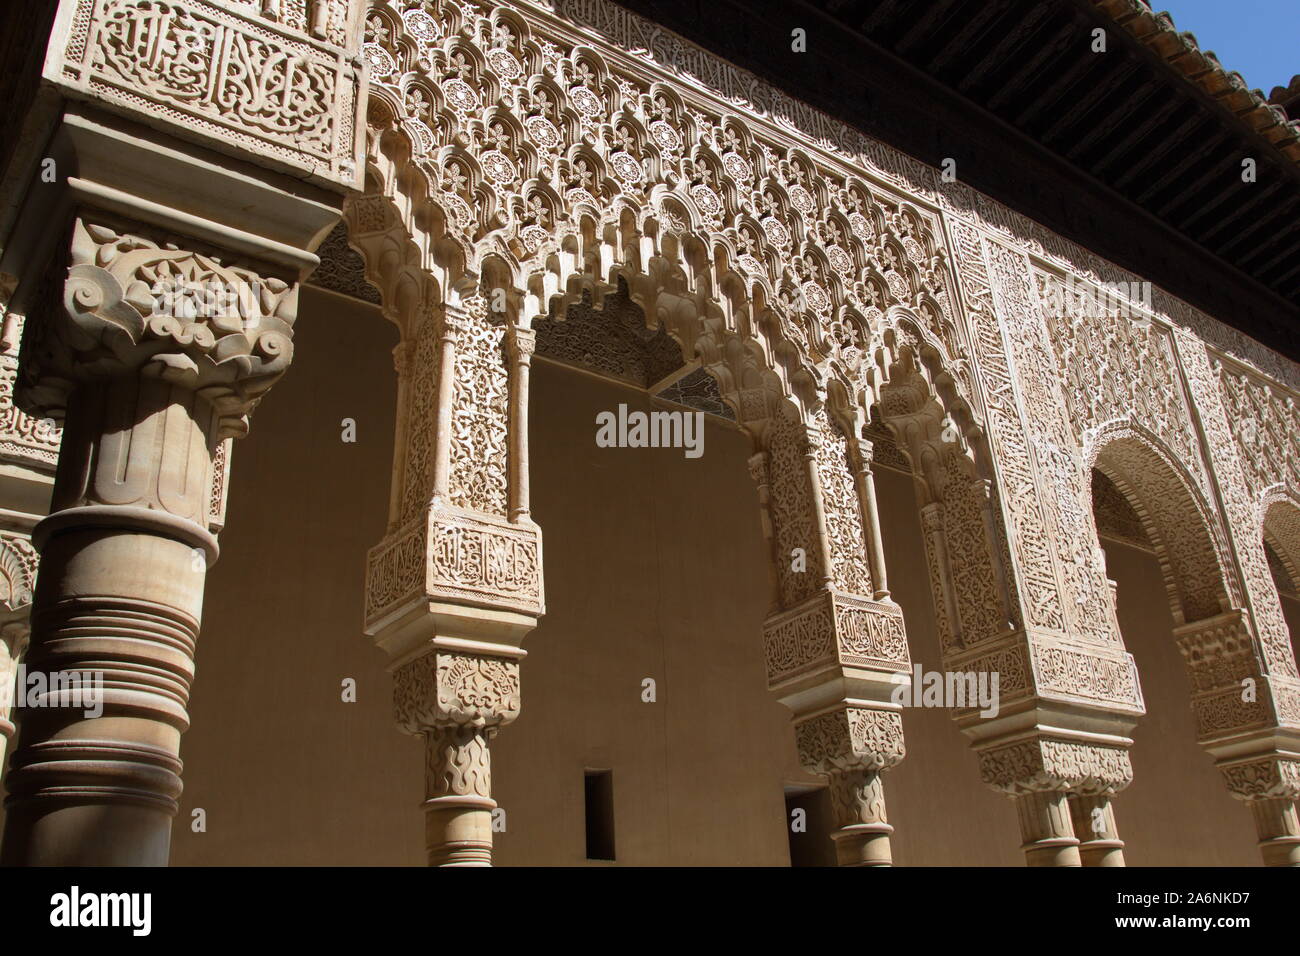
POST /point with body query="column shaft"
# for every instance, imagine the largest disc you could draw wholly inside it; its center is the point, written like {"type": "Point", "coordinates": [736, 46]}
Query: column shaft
{"type": "Point", "coordinates": [1278, 825]}
{"type": "Point", "coordinates": [1046, 828]}
{"type": "Point", "coordinates": [862, 830]}
{"type": "Point", "coordinates": [1094, 825]}
{"type": "Point", "coordinates": [95, 778]}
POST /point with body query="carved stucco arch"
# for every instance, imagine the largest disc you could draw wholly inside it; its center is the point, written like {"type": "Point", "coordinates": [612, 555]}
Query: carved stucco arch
{"type": "Point", "coordinates": [1178, 521]}
{"type": "Point", "coordinates": [1279, 520]}
{"type": "Point", "coordinates": [796, 282]}
{"type": "Point", "coordinates": [784, 274]}
{"type": "Point", "coordinates": [916, 393]}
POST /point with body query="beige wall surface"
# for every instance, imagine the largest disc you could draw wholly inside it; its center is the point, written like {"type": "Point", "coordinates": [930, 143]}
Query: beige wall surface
{"type": "Point", "coordinates": [654, 569]}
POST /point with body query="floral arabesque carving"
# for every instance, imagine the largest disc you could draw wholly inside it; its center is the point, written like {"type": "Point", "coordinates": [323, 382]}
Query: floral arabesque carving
{"type": "Point", "coordinates": [18, 561]}
{"type": "Point", "coordinates": [1049, 763]}
{"type": "Point", "coordinates": [440, 689]}
{"type": "Point", "coordinates": [850, 738]}
{"type": "Point", "coordinates": [1117, 367]}
{"type": "Point", "coordinates": [459, 701]}
{"type": "Point", "coordinates": [1068, 551]}
{"type": "Point", "coordinates": [505, 137]}
{"type": "Point", "coordinates": [1243, 510]}
{"type": "Point", "coordinates": [133, 302]}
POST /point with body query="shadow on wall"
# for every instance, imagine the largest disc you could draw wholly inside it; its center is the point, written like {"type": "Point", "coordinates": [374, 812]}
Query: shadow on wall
{"type": "Point", "coordinates": [285, 770]}
{"type": "Point", "coordinates": [941, 813]}
{"type": "Point", "coordinates": [1177, 811]}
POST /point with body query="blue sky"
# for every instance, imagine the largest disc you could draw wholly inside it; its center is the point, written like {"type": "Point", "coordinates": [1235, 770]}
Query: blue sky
{"type": "Point", "coordinates": [1260, 39]}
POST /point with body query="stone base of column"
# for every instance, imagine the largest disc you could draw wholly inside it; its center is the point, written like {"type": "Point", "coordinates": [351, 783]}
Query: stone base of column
{"type": "Point", "coordinates": [458, 830]}
{"type": "Point", "coordinates": [1102, 853]}
{"type": "Point", "coordinates": [863, 844]}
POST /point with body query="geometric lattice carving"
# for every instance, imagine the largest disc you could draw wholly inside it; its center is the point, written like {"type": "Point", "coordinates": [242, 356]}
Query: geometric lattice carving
{"type": "Point", "coordinates": [612, 341]}
{"type": "Point", "coordinates": [342, 269]}
{"type": "Point", "coordinates": [698, 390]}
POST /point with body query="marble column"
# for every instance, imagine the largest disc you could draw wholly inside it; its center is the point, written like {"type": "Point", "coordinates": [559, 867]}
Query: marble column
{"type": "Point", "coordinates": [456, 585]}
{"type": "Point", "coordinates": [153, 354]}
{"type": "Point", "coordinates": [1094, 824]}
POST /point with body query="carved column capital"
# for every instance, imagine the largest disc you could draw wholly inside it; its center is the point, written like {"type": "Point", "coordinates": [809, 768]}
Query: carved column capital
{"type": "Point", "coordinates": [140, 303]}
{"type": "Point", "coordinates": [521, 343]}
{"type": "Point", "coordinates": [450, 689]}
{"type": "Point", "coordinates": [849, 738]}
{"type": "Point", "coordinates": [1270, 787]}
{"type": "Point", "coordinates": [1268, 778]}
{"type": "Point", "coordinates": [1043, 763]}
{"type": "Point", "coordinates": [1232, 696]}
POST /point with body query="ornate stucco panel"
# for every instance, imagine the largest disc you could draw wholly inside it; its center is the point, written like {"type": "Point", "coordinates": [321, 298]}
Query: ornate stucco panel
{"type": "Point", "coordinates": [1086, 607]}
{"type": "Point", "coordinates": [1117, 367]}
{"type": "Point", "coordinates": [1265, 420]}
{"type": "Point", "coordinates": [1241, 502]}
{"type": "Point", "coordinates": [280, 82]}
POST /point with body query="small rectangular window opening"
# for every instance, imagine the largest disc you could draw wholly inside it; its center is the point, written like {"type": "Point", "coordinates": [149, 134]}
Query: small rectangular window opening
{"type": "Point", "coordinates": [598, 791]}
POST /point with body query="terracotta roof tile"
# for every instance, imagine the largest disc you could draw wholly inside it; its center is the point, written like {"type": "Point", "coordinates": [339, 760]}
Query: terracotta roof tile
{"type": "Point", "coordinates": [1267, 116]}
